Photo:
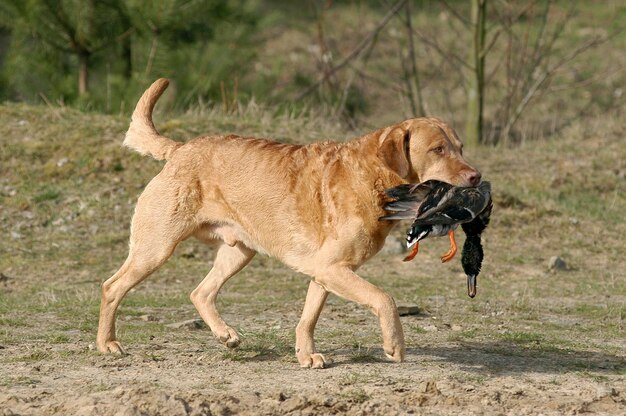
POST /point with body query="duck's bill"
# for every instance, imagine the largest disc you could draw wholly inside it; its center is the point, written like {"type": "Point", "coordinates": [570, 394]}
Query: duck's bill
{"type": "Point", "coordinates": [471, 285]}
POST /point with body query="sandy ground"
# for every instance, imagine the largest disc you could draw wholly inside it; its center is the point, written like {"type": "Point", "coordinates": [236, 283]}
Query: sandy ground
{"type": "Point", "coordinates": [178, 373]}
{"type": "Point", "coordinates": [532, 342]}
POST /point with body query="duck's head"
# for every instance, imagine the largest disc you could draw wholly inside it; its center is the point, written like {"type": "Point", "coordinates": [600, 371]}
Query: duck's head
{"type": "Point", "coordinates": [417, 233]}
{"type": "Point", "coordinates": [421, 149]}
{"type": "Point", "coordinates": [471, 260]}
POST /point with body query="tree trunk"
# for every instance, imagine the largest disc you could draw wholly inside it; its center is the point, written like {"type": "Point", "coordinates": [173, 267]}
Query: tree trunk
{"type": "Point", "coordinates": [127, 56]}
{"type": "Point", "coordinates": [415, 90]}
{"type": "Point", "coordinates": [83, 81]}
{"type": "Point", "coordinates": [476, 84]}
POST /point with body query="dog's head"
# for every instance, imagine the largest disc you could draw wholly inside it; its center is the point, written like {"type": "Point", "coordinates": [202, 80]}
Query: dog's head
{"type": "Point", "coordinates": [426, 148]}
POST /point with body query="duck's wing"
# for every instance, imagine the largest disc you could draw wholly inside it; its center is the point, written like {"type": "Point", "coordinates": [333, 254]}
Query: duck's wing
{"type": "Point", "coordinates": [447, 215]}
{"type": "Point", "coordinates": [411, 197]}
{"type": "Point", "coordinates": [437, 198]}
{"type": "Point", "coordinates": [461, 204]}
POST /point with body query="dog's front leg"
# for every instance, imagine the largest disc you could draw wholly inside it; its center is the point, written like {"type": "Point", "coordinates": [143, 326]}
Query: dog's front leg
{"type": "Point", "coordinates": [343, 282]}
{"type": "Point", "coordinates": [305, 345]}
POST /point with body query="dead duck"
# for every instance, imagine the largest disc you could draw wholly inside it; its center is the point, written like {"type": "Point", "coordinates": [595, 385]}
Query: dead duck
{"type": "Point", "coordinates": [472, 253]}
{"type": "Point", "coordinates": [438, 208]}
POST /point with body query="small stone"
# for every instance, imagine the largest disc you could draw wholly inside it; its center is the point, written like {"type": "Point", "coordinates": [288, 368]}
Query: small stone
{"type": "Point", "coordinates": [15, 235]}
{"type": "Point", "coordinates": [188, 324]}
{"type": "Point", "coordinates": [604, 391]}
{"type": "Point", "coordinates": [148, 318]}
{"type": "Point", "coordinates": [408, 309]}
{"type": "Point", "coordinates": [278, 396]}
{"type": "Point", "coordinates": [557, 263]}
{"type": "Point", "coordinates": [294, 403]}
{"type": "Point", "coordinates": [329, 401]}
{"type": "Point", "coordinates": [91, 346]}
{"type": "Point", "coordinates": [429, 387]}
{"type": "Point", "coordinates": [430, 328]}
{"type": "Point", "coordinates": [456, 327]}
{"type": "Point", "coordinates": [219, 409]}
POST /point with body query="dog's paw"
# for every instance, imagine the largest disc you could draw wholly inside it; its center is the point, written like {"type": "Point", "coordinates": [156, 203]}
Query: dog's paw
{"type": "Point", "coordinates": [230, 338]}
{"type": "Point", "coordinates": [395, 354]}
{"type": "Point", "coordinates": [111, 347]}
{"type": "Point", "coordinates": [314, 360]}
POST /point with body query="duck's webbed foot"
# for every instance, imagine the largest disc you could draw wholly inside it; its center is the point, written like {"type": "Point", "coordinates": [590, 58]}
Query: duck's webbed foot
{"type": "Point", "coordinates": [452, 251]}
{"type": "Point", "coordinates": [413, 252]}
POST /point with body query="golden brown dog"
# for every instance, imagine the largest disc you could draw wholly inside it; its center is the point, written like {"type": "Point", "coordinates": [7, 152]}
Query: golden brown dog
{"type": "Point", "coordinates": [314, 207]}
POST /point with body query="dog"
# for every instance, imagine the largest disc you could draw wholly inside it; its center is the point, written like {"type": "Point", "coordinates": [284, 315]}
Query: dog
{"type": "Point", "coordinates": [314, 207]}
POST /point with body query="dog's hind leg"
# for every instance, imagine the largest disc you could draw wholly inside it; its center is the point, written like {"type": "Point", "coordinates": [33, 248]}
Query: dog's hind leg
{"type": "Point", "coordinates": [228, 261]}
{"type": "Point", "coordinates": [155, 232]}
{"type": "Point", "coordinates": [305, 345]}
{"type": "Point", "coordinates": [141, 262]}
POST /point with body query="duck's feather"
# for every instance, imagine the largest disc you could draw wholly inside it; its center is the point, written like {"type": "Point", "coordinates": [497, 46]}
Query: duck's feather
{"type": "Point", "coordinates": [412, 192]}
{"type": "Point", "coordinates": [411, 200]}
{"type": "Point", "coordinates": [478, 224]}
{"type": "Point", "coordinates": [404, 215]}
{"type": "Point", "coordinates": [451, 215]}
{"type": "Point", "coordinates": [403, 205]}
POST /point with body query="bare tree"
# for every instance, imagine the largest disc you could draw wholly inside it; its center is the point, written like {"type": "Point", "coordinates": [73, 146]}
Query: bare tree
{"type": "Point", "coordinates": [476, 79]}
{"type": "Point", "coordinates": [530, 58]}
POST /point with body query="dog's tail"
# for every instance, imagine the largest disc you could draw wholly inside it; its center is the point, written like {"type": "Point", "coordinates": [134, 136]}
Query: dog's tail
{"type": "Point", "coordinates": [142, 136]}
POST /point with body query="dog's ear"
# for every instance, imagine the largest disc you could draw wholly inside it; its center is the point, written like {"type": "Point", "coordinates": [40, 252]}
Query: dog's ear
{"type": "Point", "coordinates": [393, 150]}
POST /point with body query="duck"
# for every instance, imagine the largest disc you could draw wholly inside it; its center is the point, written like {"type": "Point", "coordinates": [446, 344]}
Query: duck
{"type": "Point", "coordinates": [472, 253]}
{"type": "Point", "coordinates": [437, 208]}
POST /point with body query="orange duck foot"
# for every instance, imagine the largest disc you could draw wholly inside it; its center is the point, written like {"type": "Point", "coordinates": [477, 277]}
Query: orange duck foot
{"type": "Point", "coordinates": [452, 251]}
{"type": "Point", "coordinates": [413, 253]}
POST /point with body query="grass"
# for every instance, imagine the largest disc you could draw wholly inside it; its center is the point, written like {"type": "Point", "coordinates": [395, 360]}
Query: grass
{"type": "Point", "coordinates": [67, 231]}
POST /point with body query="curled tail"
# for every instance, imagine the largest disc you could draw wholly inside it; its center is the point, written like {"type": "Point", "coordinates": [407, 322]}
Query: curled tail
{"type": "Point", "coordinates": [142, 136]}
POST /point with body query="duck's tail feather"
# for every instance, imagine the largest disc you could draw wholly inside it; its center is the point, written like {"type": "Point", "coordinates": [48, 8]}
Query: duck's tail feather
{"type": "Point", "coordinates": [402, 215]}
{"type": "Point", "coordinates": [409, 192]}
{"type": "Point", "coordinates": [403, 205]}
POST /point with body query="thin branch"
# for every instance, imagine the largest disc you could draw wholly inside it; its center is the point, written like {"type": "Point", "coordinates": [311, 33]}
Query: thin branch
{"type": "Point", "coordinates": [356, 52]}
{"type": "Point", "coordinates": [379, 80]}
{"type": "Point", "coordinates": [486, 50]}
{"type": "Point", "coordinates": [585, 82]}
{"type": "Point", "coordinates": [441, 51]}
{"type": "Point", "coordinates": [459, 17]}
{"type": "Point", "coordinates": [413, 61]}
{"type": "Point", "coordinates": [346, 90]}
{"type": "Point", "coordinates": [546, 75]}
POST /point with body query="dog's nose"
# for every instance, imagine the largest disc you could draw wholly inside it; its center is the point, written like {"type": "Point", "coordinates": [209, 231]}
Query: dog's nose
{"type": "Point", "coordinates": [473, 177]}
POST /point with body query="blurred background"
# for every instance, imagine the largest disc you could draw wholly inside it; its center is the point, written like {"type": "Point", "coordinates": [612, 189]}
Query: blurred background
{"type": "Point", "coordinates": [499, 71]}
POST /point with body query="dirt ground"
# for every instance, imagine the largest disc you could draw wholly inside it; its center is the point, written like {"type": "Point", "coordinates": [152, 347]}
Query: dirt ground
{"type": "Point", "coordinates": [454, 366]}
{"type": "Point", "coordinates": [189, 382]}
{"type": "Point", "coordinates": [534, 340]}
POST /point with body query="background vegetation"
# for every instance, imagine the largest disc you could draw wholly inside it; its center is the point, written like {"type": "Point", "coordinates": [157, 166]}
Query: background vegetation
{"type": "Point", "coordinates": [527, 68]}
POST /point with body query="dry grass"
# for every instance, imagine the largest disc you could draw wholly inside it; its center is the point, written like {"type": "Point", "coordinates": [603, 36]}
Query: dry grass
{"type": "Point", "coordinates": [67, 192]}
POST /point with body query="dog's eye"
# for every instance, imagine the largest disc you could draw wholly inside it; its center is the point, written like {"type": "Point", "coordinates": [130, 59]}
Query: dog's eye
{"type": "Point", "coordinates": [439, 150]}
